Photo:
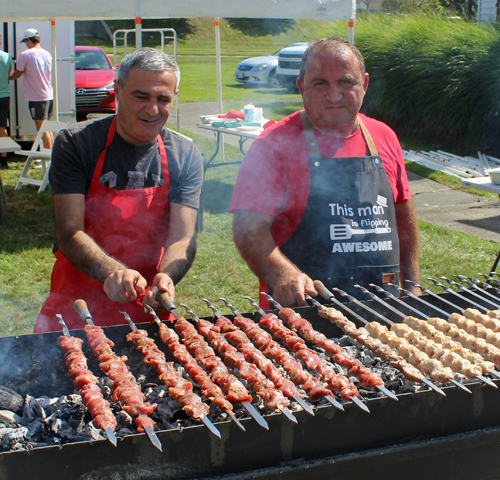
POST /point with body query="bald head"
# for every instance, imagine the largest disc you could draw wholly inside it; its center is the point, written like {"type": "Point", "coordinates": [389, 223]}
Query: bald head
{"type": "Point", "coordinates": [335, 45]}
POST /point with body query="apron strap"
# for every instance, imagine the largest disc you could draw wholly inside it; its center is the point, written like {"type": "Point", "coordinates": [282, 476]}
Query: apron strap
{"type": "Point", "coordinates": [312, 143]}
{"type": "Point", "coordinates": [368, 138]}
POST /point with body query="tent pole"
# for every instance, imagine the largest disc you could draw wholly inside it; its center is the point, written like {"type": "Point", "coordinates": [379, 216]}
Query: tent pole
{"type": "Point", "coordinates": [350, 25]}
{"type": "Point", "coordinates": [138, 32]}
{"type": "Point", "coordinates": [54, 71]}
{"type": "Point", "coordinates": [219, 81]}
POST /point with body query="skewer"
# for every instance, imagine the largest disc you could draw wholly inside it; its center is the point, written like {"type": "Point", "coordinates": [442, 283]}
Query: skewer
{"type": "Point", "coordinates": [449, 290]}
{"type": "Point", "coordinates": [434, 295]}
{"type": "Point", "coordinates": [390, 307]}
{"type": "Point", "coordinates": [473, 285]}
{"type": "Point", "coordinates": [490, 279]}
{"type": "Point", "coordinates": [261, 312]}
{"type": "Point", "coordinates": [164, 299]}
{"type": "Point", "coordinates": [296, 397]}
{"type": "Point", "coordinates": [485, 286]}
{"type": "Point", "coordinates": [205, 420]}
{"type": "Point", "coordinates": [284, 410]}
{"type": "Point", "coordinates": [108, 430]}
{"type": "Point", "coordinates": [468, 290]}
{"type": "Point", "coordinates": [278, 306]}
{"type": "Point", "coordinates": [412, 295]}
{"type": "Point", "coordinates": [399, 289]}
{"type": "Point", "coordinates": [422, 379]}
{"type": "Point", "coordinates": [396, 299]}
{"type": "Point", "coordinates": [252, 411]}
{"type": "Point", "coordinates": [80, 307]}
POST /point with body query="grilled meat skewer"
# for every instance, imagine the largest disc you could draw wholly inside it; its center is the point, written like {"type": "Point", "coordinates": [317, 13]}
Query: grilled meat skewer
{"type": "Point", "coordinates": [361, 335]}
{"type": "Point", "coordinates": [86, 383]}
{"type": "Point", "coordinates": [240, 340]}
{"type": "Point", "coordinates": [367, 378]}
{"type": "Point", "coordinates": [125, 387]}
{"type": "Point", "coordinates": [261, 385]}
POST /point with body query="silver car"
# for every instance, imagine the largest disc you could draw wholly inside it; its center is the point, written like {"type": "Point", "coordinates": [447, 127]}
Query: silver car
{"type": "Point", "coordinates": [259, 71]}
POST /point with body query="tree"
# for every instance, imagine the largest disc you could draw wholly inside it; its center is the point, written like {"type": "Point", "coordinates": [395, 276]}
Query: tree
{"type": "Point", "coordinates": [258, 27]}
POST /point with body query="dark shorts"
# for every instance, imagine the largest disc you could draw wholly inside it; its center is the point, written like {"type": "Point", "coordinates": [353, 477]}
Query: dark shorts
{"type": "Point", "coordinates": [4, 111]}
{"type": "Point", "coordinates": [40, 110]}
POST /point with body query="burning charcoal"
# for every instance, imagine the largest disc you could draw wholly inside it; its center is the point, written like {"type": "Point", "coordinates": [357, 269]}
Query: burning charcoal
{"type": "Point", "coordinates": [36, 428]}
{"type": "Point", "coordinates": [11, 400]}
{"type": "Point", "coordinates": [124, 419]}
{"type": "Point", "coordinates": [9, 419]}
{"type": "Point", "coordinates": [11, 436]}
{"type": "Point", "coordinates": [91, 433]}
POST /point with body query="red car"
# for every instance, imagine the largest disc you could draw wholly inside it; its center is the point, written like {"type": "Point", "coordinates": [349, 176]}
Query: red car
{"type": "Point", "coordinates": [94, 77]}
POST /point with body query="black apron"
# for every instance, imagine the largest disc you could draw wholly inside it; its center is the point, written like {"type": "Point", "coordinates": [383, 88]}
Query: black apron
{"type": "Point", "coordinates": [348, 233]}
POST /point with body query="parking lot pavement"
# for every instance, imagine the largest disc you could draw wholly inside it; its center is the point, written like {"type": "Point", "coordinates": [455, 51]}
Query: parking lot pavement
{"type": "Point", "coordinates": [454, 209]}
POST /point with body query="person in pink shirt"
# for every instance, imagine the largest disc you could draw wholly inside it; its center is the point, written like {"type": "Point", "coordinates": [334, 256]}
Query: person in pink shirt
{"type": "Point", "coordinates": [35, 64]}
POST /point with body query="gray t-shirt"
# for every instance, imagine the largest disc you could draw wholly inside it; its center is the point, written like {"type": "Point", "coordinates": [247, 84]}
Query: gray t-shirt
{"type": "Point", "coordinates": [126, 166]}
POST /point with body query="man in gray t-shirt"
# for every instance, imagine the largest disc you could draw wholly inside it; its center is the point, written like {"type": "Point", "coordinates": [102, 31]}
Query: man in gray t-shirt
{"type": "Point", "coordinates": [126, 193]}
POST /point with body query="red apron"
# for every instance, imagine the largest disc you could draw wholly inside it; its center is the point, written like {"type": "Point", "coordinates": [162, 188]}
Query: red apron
{"type": "Point", "coordinates": [129, 225]}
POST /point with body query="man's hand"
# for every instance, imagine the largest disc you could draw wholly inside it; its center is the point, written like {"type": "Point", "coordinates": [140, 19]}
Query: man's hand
{"type": "Point", "coordinates": [291, 289]}
{"type": "Point", "coordinates": [163, 283]}
{"type": "Point", "coordinates": [124, 285]}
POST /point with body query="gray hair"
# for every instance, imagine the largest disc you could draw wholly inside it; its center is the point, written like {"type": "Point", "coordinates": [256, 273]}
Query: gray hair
{"type": "Point", "coordinates": [149, 59]}
{"type": "Point", "coordinates": [333, 44]}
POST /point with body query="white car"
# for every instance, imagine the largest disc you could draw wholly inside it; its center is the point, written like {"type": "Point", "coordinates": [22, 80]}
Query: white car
{"type": "Point", "coordinates": [260, 71]}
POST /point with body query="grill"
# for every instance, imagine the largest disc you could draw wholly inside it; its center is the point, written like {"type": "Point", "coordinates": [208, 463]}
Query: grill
{"type": "Point", "coordinates": [90, 97]}
{"type": "Point", "coordinates": [423, 434]}
{"type": "Point", "coordinates": [245, 68]}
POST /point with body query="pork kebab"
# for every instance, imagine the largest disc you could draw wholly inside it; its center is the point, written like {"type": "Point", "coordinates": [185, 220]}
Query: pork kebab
{"type": "Point", "coordinates": [253, 355]}
{"type": "Point", "coordinates": [178, 388]}
{"type": "Point", "coordinates": [273, 350]}
{"type": "Point", "coordinates": [201, 351]}
{"type": "Point", "coordinates": [335, 381]}
{"type": "Point", "coordinates": [125, 388]}
{"type": "Point", "coordinates": [86, 383]}
{"type": "Point", "coordinates": [366, 377]}
{"type": "Point", "coordinates": [272, 397]}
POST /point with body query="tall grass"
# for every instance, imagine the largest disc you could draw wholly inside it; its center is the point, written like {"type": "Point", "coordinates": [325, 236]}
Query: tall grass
{"type": "Point", "coordinates": [434, 79]}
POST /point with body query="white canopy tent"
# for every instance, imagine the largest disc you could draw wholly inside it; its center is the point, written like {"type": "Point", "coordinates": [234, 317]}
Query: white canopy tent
{"type": "Point", "coordinates": [66, 10]}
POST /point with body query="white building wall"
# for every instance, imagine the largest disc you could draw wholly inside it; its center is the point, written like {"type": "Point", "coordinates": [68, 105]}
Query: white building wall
{"type": "Point", "coordinates": [486, 11]}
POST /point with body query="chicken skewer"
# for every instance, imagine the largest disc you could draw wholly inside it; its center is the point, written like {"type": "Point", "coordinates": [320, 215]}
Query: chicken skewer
{"type": "Point", "coordinates": [435, 369]}
{"type": "Point", "coordinates": [367, 378]}
{"type": "Point", "coordinates": [273, 396]}
{"type": "Point", "coordinates": [125, 387]}
{"type": "Point", "coordinates": [460, 365]}
{"type": "Point", "coordinates": [274, 350]}
{"type": "Point", "coordinates": [335, 381]}
{"type": "Point", "coordinates": [86, 383]}
{"type": "Point", "coordinates": [178, 388]}
{"type": "Point", "coordinates": [475, 358]}
{"type": "Point", "coordinates": [361, 335]}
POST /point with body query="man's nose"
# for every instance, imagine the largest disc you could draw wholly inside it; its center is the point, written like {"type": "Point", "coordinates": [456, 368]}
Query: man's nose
{"type": "Point", "coordinates": [152, 109]}
{"type": "Point", "coordinates": [334, 93]}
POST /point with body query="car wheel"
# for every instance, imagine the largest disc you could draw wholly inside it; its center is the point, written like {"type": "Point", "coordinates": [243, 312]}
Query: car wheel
{"type": "Point", "coordinates": [272, 80]}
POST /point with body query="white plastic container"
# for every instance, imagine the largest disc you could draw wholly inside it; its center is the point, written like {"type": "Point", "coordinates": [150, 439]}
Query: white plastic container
{"type": "Point", "coordinates": [494, 174]}
{"type": "Point", "coordinates": [249, 113]}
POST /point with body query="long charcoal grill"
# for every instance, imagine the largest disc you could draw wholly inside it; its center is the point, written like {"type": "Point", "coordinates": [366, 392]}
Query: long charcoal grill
{"type": "Point", "coordinates": [422, 435]}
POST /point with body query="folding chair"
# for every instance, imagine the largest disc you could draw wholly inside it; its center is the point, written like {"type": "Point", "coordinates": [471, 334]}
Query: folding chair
{"type": "Point", "coordinates": [39, 152]}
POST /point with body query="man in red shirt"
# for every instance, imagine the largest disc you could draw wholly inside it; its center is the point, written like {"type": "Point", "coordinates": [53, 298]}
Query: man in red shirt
{"type": "Point", "coordinates": [324, 194]}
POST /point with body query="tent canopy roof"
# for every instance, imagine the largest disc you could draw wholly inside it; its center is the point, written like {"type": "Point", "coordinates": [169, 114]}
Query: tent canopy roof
{"type": "Point", "coordinates": [46, 10]}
